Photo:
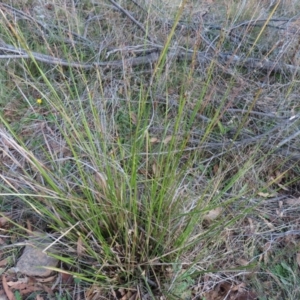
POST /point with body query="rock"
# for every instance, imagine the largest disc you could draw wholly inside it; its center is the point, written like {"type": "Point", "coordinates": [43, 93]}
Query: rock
{"type": "Point", "coordinates": [33, 259]}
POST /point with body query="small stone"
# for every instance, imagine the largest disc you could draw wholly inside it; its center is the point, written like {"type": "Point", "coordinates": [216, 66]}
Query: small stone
{"type": "Point", "coordinates": [33, 259]}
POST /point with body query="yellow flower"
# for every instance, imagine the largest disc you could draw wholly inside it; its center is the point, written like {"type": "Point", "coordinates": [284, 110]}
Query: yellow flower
{"type": "Point", "coordinates": [39, 101]}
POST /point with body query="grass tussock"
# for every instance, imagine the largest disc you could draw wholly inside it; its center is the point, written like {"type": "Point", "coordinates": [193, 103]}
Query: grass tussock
{"type": "Point", "coordinates": [155, 144]}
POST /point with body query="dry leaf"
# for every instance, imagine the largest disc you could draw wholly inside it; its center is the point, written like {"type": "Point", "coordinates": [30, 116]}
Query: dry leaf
{"type": "Point", "coordinates": [3, 262]}
{"type": "Point", "coordinates": [143, 172]}
{"type": "Point", "coordinates": [279, 213]}
{"type": "Point", "coordinates": [278, 179]}
{"type": "Point", "coordinates": [251, 225]}
{"type": "Point", "coordinates": [80, 248]}
{"type": "Point", "coordinates": [216, 169]}
{"type": "Point", "coordinates": [228, 291]}
{"type": "Point", "coordinates": [25, 288]}
{"type": "Point", "coordinates": [212, 214]}
{"type": "Point", "coordinates": [242, 262]}
{"type": "Point", "coordinates": [29, 226]}
{"type": "Point", "coordinates": [167, 139]}
{"type": "Point", "coordinates": [18, 282]}
{"type": "Point", "coordinates": [154, 169]}
{"type": "Point", "coordinates": [269, 224]}
{"type": "Point", "coordinates": [66, 278]}
{"type": "Point", "coordinates": [239, 287]}
{"type": "Point", "coordinates": [133, 118]}
{"type": "Point", "coordinates": [127, 296]}
{"type": "Point", "coordinates": [283, 187]}
{"type": "Point", "coordinates": [154, 140]}
{"type": "Point", "coordinates": [266, 195]}
{"type": "Point", "coordinates": [267, 249]}
{"type": "Point", "coordinates": [279, 176]}
{"type": "Point", "coordinates": [10, 295]}
{"type": "Point", "coordinates": [4, 220]}
{"type": "Point", "coordinates": [293, 201]}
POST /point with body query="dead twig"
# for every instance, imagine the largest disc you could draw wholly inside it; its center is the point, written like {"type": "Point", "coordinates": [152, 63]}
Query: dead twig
{"type": "Point", "coordinates": [202, 57]}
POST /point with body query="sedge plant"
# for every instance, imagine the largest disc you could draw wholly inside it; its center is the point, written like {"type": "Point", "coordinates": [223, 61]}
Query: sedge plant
{"type": "Point", "coordinates": [145, 178]}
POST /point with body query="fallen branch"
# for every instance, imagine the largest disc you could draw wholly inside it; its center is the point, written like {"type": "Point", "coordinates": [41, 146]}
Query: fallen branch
{"type": "Point", "coordinates": [225, 59]}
